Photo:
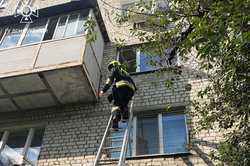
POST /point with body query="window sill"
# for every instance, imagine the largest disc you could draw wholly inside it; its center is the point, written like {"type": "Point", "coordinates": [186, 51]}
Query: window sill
{"type": "Point", "coordinates": [158, 156]}
{"type": "Point", "coordinates": [156, 70]}
{"type": "Point", "coordinates": [143, 72]}
{"type": "Point", "coordinates": [141, 157]}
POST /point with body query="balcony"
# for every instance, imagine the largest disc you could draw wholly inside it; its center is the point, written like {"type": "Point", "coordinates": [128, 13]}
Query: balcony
{"type": "Point", "coordinates": [50, 73]}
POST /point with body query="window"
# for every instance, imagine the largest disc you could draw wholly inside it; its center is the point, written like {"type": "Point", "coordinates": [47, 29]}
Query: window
{"type": "Point", "coordinates": [16, 140]}
{"type": "Point", "coordinates": [2, 32]}
{"type": "Point", "coordinates": [35, 32]}
{"type": "Point", "coordinates": [161, 134]}
{"type": "Point", "coordinates": [22, 146]}
{"type": "Point", "coordinates": [50, 28]}
{"type": "Point", "coordinates": [155, 134]}
{"type": "Point", "coordinates": [70, 25]}
{"type": "Point", "coordinates": [41, 30]}
{"type": "Point", "coordinates": [12, 36]}
{"type": "Point", "coordinates": [174, 134]}
{"type": "Point", "coordinates": [35, 147]}
{"type": "Point", "coordinates": [3, 4]}
{"type": "Point", "coordinates": [138, 61]}
{"type": "Point", "coordinates": [147, 135]}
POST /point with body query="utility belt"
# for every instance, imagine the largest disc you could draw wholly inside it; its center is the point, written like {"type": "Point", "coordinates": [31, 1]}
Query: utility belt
{"type": "Point", "coordinates": [124, 83]}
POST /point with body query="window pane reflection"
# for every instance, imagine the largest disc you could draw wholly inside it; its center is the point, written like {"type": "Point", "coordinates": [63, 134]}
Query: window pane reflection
{"type": "Point", "coordinates": [80, 26]}
{"type": "Point", "coordinates": [174, 134]}
{"type": "Point", "coordinates": [16, 140]}
{"type": "Point", "coordinates": [12, 36]}
{"type": "Point", "coordinates": [35, 148]}
{"type": "Point", "coordinates": [149, 62]}
{"type": "Point", "coordinates": [71, 26]}
{"type": "Point", "coordinates": [35, 32]}
{"type": "Point", "coordinates": [147, 139]}
{"type": "Point", "coordinates": [59, 33]}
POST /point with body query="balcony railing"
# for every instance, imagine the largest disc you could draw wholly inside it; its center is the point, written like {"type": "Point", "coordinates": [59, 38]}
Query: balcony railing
{"type": "Point", "coordinates": [50, 73]}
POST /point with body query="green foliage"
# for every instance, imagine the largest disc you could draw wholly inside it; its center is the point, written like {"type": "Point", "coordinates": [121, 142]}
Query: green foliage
{"type": "Point", "coordinates": [220, 32]}
{"type": "Point", "coordinates": [89, 26]}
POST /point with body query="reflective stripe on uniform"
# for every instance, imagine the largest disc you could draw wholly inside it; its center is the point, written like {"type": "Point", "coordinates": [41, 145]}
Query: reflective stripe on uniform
{"type": "Point", "coordinates": [108, 81]}
{"type": "Point", "coordinates": [124, 83]}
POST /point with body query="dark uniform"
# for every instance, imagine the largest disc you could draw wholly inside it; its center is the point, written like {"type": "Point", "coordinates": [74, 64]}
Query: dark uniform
{"type": "Point", "coordinates": [122, 91]}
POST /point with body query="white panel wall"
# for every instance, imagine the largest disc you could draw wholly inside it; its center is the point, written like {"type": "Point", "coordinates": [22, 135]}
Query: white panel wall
{"type": "Point", "coordinates": [19, 58]}
{"type": "Point", "coordinates": [92, 67]}
{"type": "Point", "coordinates": [61, 51]}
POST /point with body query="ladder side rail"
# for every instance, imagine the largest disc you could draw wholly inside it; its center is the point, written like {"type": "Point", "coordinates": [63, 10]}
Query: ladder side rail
{"type": "Point", "coordinates": [98, 155]}
{"type": "Point", "coordinates": [126, 137]}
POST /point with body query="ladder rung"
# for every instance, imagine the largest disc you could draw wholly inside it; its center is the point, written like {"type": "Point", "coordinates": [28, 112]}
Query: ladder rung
{"type": "Point", "coordinates": [117, 137]}
{"type": "Point", "coordinates": [117, 140]}
{"type": "Point", "coordinates": [118, 131]}
{"type": "Point", "coordinates": [108, 163]}
{"type": "Point", "coordinates": [108, 160]}
{"type": "Point", "coordinates": [112, 147]}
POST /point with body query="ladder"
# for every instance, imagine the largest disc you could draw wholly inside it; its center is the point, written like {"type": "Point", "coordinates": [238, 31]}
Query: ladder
{"type": "Point", "coordinates": [103, 155]}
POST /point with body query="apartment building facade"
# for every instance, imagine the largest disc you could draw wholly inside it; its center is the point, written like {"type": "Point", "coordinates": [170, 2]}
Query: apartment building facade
{"type": "Point", "coordinates": [50, 75]}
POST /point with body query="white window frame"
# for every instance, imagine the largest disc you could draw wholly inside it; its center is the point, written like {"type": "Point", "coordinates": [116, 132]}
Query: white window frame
{"type": "Point", "coordinates": [161, 138]}
{"type": "Point", "coordinates": [26, 28]}
{"type": "Point", "coordinates": [138, 61]}
{"type": "Point", "coordinates": [5, 31]}
{"type": "Point", "coordinates": [29, 138]}
{"type": "Point", "coordinates": [3, 4]}
{"type": "Point", "coordinates": [66, 23]}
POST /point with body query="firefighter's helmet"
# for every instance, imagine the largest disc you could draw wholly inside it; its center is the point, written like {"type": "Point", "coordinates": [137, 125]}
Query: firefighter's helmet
{"type": "Point", "coordinates": [114, 64]}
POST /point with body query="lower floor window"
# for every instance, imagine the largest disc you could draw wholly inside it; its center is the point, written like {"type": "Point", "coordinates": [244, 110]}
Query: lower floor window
{"type": "Point", "coordinates": [156, 134]}
{"type": "Point", "coordinates": [21, 147]}
{"type": "Point", "coordinates": [161, 134]}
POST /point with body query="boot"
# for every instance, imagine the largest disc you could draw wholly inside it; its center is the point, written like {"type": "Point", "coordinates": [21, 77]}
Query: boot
{"type": "Point", "coordinates": [125, 114]}
{"type": "Point", "coordinates": [116, 117]}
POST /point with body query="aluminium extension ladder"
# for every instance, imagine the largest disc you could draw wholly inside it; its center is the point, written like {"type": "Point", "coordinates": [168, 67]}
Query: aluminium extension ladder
{"type": "Point", "coordinates": [103, 151]}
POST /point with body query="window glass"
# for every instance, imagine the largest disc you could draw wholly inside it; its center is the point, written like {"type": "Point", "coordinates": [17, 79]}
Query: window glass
{"type": "Point", "coordinates": [12, 36]}
{"type": "Point", "coordinates": [59, 33]}
{"type": "Point", "coordinates": [80, 26]}
{"type": "Point", "coordinates": [147, 137]}
{"type": "Point", "coordinates": [149, 62]}
{"type": "Point", "coordinates": [16, 140]}
{"type": "Point", "coordinates": [71, 25]}
{"type": "Point", "coordinates": [35, 32]}
{"type": "Point", "coordinates": [35, 148]}
{"type": "Point", "coordinates": [174, 134]}
{"type": "Point", "coordinates": [128, 58]}
{"type": "Point", "coordinates": [51, 28]}
{"type": "Point", "coordinates": [2, 31]}
{"type": "Point", "coordinates": [3, 3]}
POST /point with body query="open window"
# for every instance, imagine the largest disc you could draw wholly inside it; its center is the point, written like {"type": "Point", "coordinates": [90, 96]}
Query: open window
{"type": "Point", "coordinates": [21, 147]}
{"type": "Point", "coordinates": [137, 60]}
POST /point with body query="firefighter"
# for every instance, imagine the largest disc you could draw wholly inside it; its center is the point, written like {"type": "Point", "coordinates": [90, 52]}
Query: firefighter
{"type": "Point", "coordinates": [122, 91]}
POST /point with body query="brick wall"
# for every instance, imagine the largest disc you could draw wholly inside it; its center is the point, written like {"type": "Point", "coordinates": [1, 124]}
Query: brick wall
{"type": "Point", "coordinates": [73, 133]}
